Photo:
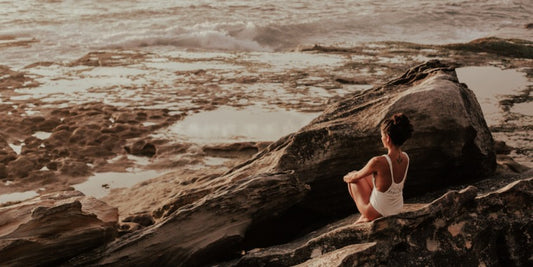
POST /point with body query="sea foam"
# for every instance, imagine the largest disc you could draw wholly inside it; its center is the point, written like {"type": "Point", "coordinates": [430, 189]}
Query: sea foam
{"type": "Point", "coordinates": [237, 36]}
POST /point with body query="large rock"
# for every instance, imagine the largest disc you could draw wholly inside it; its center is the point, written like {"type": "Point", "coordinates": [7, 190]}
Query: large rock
{"type": "Point", "coordinates": [265, 200]}
{"type": "Point", "coordinates": [451, 143]}
{"type": "Point", "coordinates": [465, 226]}
{"type": "Point", "coordinates": [211, 228]}
{"type": "Point", "coordinates": [53, 228]}
{"type": "Point", "coordinates": [461, 227]}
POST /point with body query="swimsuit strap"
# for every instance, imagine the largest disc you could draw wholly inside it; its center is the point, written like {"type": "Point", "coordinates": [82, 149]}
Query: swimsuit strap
{"type": "Point", "coordinates": [407, 168]}
{"type": "Point", "coordinates": [390, 166]}
{"type": "Point", "coordinates": [391, 170]}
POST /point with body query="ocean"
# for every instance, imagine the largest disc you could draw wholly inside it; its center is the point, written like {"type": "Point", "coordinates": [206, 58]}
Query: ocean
{"type": "Point", "coordinates": [55, 30]}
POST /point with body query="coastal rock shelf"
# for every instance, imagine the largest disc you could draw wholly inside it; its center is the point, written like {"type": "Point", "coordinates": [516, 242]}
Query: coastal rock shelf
{"type": "Point", "coordinates": [295, 185]}
{"type": "Point", "coordinates": [463, 226]}
{"type": "Point", "coordinates": [53, 228]}
{"type": "Point", "coordinates": [287, 204]}
{"type": "Point", "coordinates": [65, 144]}
{"type": "Point", "coordinates": [216, 133]}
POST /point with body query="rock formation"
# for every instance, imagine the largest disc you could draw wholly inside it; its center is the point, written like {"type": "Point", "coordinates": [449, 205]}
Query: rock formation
{"type": "Point", "coordinates": [491, 229]}
{"type": "Point", "coordinates": [451, 143]}
{"type": "Point", "coordinates": [78, 140]}
{"type": "Point", "coordinates": [211, 228]}
{"type": "Point", "coordinates": [53, 228]}
{"type": "Point", "coordinates": [295, 184]}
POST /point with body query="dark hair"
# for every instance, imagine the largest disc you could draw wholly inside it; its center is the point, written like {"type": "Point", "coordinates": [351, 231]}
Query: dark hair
{"type": "Point", "coordinates": [398, 128]}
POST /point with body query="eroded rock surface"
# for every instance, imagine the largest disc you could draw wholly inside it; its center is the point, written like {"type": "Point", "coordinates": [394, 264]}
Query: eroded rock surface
{"type": "Point", "coordinates": [53, 228]}
{"type": "Point", "coordinates": [211, 228]}
{"type": "Point", "coordinates": [73, 142]}
{"type": "Point", "coordinates": [466, 227]}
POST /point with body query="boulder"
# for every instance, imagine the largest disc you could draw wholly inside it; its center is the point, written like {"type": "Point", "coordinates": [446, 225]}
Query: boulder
{"type": "Point", "coordinates": [53, 228]}
{"type": "Point", "coordinates": [451, 143]}
{"type": "Point", "coordinates": [74, 168]}
{"type": "Point", "coordinates": [22, 166]}
{"type": "Point", "coordinates": [7, 154]}
{"type": "Point", "coordinates": [3, 171]}
{"type": "Point", "coordinates": [142, 148]}
{"type": "Point", "coordinates": [48, 125]}
{"type": "Point", "coordinates": [125, 117]}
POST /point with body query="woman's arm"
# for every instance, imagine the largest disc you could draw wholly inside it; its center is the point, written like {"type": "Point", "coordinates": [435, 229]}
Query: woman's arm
{"type": "Point", "coordinates": [368, 169]}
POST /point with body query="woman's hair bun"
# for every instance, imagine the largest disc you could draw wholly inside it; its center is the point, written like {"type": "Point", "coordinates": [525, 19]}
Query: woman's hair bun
{"type": "Point", "coordinates": [400, 119]}
{"type": "Point", "coordinates": [398, 128]}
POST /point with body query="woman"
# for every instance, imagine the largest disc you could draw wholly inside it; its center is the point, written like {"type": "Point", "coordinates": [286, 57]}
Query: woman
{"type": "Point", "coordinates": [377, 187]}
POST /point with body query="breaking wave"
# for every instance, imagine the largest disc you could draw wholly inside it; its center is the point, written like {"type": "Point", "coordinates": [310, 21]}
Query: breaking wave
{"type": "Point", "coordinates": [67, 29]}
{"type": "Point", "coordinates": [238, 36]}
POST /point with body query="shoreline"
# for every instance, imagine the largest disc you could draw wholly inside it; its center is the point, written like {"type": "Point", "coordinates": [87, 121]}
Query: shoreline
{"type": "Point", "coordinates": [294, 81]}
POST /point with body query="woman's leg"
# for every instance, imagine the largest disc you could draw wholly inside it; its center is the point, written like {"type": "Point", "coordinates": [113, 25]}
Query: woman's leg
{"type": "Point", "coordinates": [360, 192]}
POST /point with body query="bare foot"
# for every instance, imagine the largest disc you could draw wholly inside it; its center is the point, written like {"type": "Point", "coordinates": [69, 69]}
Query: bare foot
{"type": "Point", "coordinates": [362, 219]}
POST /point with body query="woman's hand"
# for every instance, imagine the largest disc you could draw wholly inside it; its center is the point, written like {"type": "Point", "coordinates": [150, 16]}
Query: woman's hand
{"type": "Point", "coordinates": [369, 169]}
{"type": "Point", "coordinates": [348, 177]}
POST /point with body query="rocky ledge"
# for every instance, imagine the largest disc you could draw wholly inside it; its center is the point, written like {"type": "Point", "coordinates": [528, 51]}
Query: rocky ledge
{"type": "Point", "coordinates": [53, 228]}
{"type": "Point", "coordinates": [467, 226]}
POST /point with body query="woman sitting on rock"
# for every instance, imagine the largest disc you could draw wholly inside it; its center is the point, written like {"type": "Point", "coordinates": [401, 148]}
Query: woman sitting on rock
{"type": "Point", "coordinates": [377, 187]}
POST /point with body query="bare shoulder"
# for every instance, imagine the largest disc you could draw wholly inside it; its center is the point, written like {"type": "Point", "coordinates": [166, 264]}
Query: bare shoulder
{"type": "Point", "coordinates": [378, 161]}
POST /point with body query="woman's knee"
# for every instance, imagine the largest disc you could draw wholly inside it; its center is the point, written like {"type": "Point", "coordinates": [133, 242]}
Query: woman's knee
{"type": "Point", "coordinates": [356, 186]}
{"type": "Point", "coordinates": [358, 183]}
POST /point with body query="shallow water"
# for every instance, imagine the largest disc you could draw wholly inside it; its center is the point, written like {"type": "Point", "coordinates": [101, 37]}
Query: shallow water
{"type": "Point", "coordinates": [191, 66]}
{"type": "Point", "coordinates": [491, 84]}
{"type": "Point", "coordinates": [290, 60]}
{"type": "Point", "coordinates": [16, 148]}
{"type": "Point", "coordinates": [100, 184]}
{"type": "Point", "coordinates": [17, 196]}
{"type": "Point", "coordinates": [523, 108]}
{"type": "Point", "coordinates": [163, 81]}
{"type": "Point", "coordinates": [228, 125]}
{"type": "Point", "coordinates": [42, 135]}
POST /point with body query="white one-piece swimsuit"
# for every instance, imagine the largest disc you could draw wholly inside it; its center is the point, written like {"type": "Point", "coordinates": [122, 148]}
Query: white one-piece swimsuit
{"type": "Point", "coordinates": [389, 202]}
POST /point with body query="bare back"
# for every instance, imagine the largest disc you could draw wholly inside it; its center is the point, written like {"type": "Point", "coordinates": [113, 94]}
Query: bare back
{"type": "Point", "coordinates": [383, 179]}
